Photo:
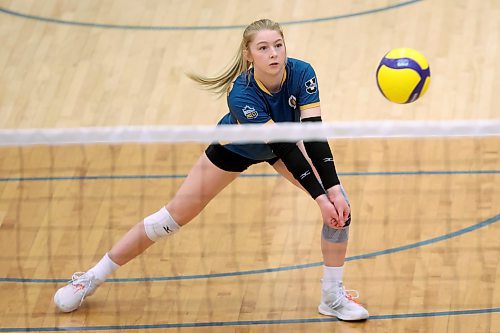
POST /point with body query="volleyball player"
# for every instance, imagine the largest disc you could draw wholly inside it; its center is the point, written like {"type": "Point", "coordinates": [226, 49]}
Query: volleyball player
{"type": "Point", "coordinates": [263, 86]}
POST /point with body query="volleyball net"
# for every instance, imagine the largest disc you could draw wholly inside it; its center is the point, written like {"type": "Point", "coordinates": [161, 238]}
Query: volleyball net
{"type": "Point", "coordinates": [250, 133]}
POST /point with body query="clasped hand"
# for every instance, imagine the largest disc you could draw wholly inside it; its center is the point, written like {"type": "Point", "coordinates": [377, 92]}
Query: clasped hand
{"type": "Point", "coordinates": [334, 208]}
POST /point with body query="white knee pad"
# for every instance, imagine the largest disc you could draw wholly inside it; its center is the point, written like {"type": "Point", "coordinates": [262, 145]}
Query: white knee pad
{"type": "Point", "coordinates": [160, 224]}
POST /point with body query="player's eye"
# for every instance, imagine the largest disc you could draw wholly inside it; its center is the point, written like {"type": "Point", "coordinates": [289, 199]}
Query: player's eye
{"type": "Point", "coordinates": [262, 48]}
{"type": "Point", "coordinates": [279, 45]}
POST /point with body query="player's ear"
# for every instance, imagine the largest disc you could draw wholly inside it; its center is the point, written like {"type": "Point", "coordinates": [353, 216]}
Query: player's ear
{"type": "Point", "coordinates": [247, 55]}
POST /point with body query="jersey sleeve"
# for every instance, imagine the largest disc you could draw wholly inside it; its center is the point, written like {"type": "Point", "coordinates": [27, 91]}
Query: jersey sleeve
{"type": "Point", "coordinates": [248, 109]}
{"type": "Point", "coordinates": [308, 89]}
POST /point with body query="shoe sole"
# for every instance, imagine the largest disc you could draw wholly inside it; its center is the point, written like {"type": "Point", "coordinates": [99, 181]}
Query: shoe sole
{"type": "Point", "coordinates": [332, 313]}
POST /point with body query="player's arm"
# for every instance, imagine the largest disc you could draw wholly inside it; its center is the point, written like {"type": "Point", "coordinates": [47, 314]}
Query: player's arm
{"type": "Point", "coordinates": [310, 111]}
{"type": "Point", "coordinates": [298, 166]}
{"type": "Point", "coordinates": [319, 151]}
{"type": "Point", "coordinates": [322, 158]}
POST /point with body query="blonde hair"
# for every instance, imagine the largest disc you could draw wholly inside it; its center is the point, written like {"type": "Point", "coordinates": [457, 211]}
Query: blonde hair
{"type": "Point", "coordinates": [221, 84]}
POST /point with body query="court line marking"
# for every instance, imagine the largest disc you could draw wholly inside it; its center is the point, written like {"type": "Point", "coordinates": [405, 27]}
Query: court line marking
{"type": "Point", "coordinates": [252, 175]}
{"type": "Point", "coordinates": [248, 322]}
{"type": "Point", "coordinates": [437, 239]}
{"type": "Point", "coordinates": [214, 27]}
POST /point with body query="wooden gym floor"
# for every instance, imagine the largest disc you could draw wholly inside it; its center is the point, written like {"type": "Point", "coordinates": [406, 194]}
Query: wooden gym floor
{"type": "Point", "coordinates": [424, 248]}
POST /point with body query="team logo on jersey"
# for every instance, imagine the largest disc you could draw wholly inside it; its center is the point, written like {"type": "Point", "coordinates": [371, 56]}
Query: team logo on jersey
{"type": "Point", "coordinates": [250, 112]}
{"type": "Point", "coordinates": [311, 86]}
{"type": "Point", "coordinates": [292, 101]}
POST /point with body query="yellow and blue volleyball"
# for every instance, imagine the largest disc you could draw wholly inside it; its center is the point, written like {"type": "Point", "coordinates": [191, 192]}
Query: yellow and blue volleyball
{"type": "Point", "coordinates": [403, 75]}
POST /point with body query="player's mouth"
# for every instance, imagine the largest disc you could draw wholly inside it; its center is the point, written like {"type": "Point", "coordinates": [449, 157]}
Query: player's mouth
{"type": "Point", "coordinates": [274, 64]}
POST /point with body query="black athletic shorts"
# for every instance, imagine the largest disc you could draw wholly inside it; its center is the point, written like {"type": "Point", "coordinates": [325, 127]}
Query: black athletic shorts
{"type": "Point", "coordinates": [230, 161]}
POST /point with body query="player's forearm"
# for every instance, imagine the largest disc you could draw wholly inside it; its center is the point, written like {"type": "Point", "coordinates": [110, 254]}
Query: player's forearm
{"type": "Point", "coordinates": [300, 168]}
{"type": "Point", "coordinates": [322, 158]}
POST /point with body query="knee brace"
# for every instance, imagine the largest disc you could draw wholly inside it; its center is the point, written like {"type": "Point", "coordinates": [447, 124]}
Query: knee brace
{"type": "Point", "coordinates": [336, 235]}
{"type": "Point", "coordinates": [160, 224]}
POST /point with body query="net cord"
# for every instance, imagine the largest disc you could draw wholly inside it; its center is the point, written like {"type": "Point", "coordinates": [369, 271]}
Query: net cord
{"type": "Point", "coordinates": [290, 132]}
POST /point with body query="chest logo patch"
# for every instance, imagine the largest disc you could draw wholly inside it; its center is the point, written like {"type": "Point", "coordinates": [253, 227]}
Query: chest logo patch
{"type": "Point", "coordinates": [311, 86]}
{"type": "Point", "coordinates": [249, 112]}
{"type": "Point", "coordinates": [292, 101]}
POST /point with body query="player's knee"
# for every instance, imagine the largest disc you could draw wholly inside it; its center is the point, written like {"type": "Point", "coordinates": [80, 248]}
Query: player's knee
{"type": "Point", "coordinates": [336, 235]}
{"type": "Point", "coordinates": [160, 225]}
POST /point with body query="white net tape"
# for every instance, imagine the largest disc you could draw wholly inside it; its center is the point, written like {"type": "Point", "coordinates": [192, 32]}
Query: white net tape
{"type": "Point", "coordinates": [249, 133]}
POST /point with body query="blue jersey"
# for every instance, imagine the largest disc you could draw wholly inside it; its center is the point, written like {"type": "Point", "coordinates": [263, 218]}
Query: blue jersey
{"type": "Point", "coordinates": [250, 102]}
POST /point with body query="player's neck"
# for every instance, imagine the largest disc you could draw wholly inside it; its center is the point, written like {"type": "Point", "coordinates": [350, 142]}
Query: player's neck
{"type": "Point", "coordinates": [272, 82]}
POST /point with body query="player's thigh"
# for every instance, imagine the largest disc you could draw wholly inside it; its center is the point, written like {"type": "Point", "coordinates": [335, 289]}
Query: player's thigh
{"type": "Point", "coordinates": [202, 184]}
{"type": "Point", "coordinates": [281, 168]}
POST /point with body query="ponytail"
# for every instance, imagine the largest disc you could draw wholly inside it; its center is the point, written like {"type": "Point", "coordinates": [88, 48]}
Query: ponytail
{"type": "Point", "coordinates": [221, 84]}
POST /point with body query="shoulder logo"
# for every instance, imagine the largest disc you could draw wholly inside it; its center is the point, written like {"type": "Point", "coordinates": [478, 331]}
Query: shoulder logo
{"type": "Point", "coordinates": [311, 86]}
{"type": "Point", "coordinates": [250, 112]}
{"type": "Point", "coordinates": [292, 101]}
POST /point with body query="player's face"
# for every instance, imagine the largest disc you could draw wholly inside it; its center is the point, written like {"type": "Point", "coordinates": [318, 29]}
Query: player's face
{"type": "Point", "coordinates": [268, 53]}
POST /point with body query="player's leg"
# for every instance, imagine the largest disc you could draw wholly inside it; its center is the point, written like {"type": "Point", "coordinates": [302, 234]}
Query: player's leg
{"type": "Point", "coordinates": [204, 182]}
{"type": "Point", "coordinates": [335, 300]}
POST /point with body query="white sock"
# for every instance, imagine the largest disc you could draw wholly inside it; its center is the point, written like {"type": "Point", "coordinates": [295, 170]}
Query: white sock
{"type": "Point", "coordinates": [332, 276]}
{"type": "Point", "coordinates": [104, 267]}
